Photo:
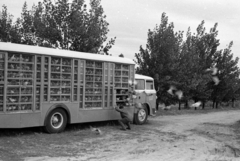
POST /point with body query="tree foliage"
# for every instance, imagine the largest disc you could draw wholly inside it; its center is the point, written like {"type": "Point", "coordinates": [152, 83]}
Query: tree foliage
{"type": "Point", "coordinates": [159, 59]}
{"type": "Point", "coordinates": [8, 31]}
{"type": "Point", "coordinates": [62, 24]}
{"type": "Point", "coordinates": [183, 63]}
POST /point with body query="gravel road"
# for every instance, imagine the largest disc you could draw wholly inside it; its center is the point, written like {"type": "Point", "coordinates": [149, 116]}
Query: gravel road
{"type": "Point", "coordinates": [195, 137]}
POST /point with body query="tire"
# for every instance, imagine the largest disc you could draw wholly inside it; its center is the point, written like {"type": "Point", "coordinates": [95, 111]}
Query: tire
{"type": "Point", "coordinates": [141, 116]}
{"type": "Point", "coordinates": [56, 121]}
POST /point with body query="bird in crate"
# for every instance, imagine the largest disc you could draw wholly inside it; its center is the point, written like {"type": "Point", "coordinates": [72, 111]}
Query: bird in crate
{"type": "Point", "coordinates": [12, 100]}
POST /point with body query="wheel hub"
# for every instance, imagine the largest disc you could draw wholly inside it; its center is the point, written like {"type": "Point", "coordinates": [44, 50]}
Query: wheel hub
{"type": "Point", "coordinates": [142, 115]}
{"type": "Point", "coordinates": [57, 120]}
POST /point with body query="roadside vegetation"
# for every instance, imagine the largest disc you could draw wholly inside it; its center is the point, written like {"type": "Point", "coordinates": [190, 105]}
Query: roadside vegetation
{"type": "Point", "coordinates": [60, 24]}
{"type": "Point", "coordinates": [224, 106]}
{"type": "Point", "coordinates": [190, 61]}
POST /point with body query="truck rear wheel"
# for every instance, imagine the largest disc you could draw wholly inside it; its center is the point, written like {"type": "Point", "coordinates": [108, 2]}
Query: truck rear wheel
{"type": "Point", "coordinates": [56, 121]}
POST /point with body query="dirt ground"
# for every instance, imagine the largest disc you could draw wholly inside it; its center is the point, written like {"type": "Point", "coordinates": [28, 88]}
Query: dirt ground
{"type": "Point", "coordinates": [193, 137]}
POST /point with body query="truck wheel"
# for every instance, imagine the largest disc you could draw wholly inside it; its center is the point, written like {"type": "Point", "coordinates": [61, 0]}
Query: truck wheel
{"type": "Point", "coordinates": [141, 116]}
{"type": "Point", "coordinates": [56, 121]}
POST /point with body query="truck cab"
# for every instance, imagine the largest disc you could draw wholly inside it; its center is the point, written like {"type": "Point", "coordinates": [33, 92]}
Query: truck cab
{"type": "Point", "coordinates": [146, 96]}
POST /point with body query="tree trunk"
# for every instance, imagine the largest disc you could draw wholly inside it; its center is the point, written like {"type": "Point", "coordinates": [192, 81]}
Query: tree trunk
{"type": "Point", "coordinates": [233, 103]}
{"type": "Point", "coordinates": [217, 104]}
{"type": "Point", "coordinates": [203, 105]}
{"type": "Point", "coordinates": [213, 104]}
{"type": "Point", "coordinates": [179, 105]}
{"type": "Point", "coordinates": [186, 105]}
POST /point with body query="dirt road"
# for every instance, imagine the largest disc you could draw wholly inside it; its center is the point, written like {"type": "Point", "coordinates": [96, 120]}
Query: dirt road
{"type": "Point", "coordinates": [202, 137]}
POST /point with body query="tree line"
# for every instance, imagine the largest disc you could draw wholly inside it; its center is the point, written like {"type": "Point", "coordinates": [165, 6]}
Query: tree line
{"type": "Point", "coordinates": [173, 60]}
{"type": "Point", "coordinates": [168, 57]}
{"type": "Point", "coordinates": [59, 24]}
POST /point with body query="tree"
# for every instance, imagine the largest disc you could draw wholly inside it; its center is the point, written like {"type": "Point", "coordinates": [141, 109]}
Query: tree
{"type": "Point", "coordinates": [201, 48]}
{"type": "Point", "coordinates": [9, 31]}
{"type": "Point", "coordinates": [65, 25]}
{"type": "Point", "coordinates": [159, 58]}
{"type": "Point", "coordinates": [71, 26]}
{"type": "Point", "coordinates": [27, 30]}
{"type": "Point", "coordinates": [228, 74]}
{"type": "Point", "coordinates": [5, 25]}
{"type": "Point", "coordinates": [183, 64]}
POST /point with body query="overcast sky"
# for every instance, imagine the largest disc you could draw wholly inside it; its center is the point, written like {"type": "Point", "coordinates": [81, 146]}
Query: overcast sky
{"type": "Point", "coordinates": [130, 19]}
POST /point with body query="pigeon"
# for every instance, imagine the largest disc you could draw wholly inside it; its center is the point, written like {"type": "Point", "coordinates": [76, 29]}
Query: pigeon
{"type": "Point", "coordinates": [214, 77]}
{"type": "Point", "coordinates": [12, 58]}
{"type": "Point", "coordinates": [179, 93]}
{"type": "Point", "coordinates": [171, 89]}
{"type": "Point", "coordinates": [96, 130]}
{"type": "Point", "coordinates": [161, 105]}
{"type": "Point", "coordinates": [12, 100]}
{"type": "Point", "coordinates": [196, 105]}
{"type": "Point", "coordinates": [172, 92]}
{"type": "Point", "coordinates": [214, 70]}
{"type": "Point", "coordinates": [26, 83]}
{"type": "Point", "coordinates": [166, 107]}
{"type": "Point", "coordinates": [216, 80]}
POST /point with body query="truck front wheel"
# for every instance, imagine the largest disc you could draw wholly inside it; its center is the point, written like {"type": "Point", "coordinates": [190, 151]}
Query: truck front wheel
{"type": "Point", "coordinates": [141, 116]}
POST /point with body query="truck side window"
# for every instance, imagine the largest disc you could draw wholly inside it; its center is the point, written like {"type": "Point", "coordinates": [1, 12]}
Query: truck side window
{"type": "Point", "coordinates": [140, 84]}
{"type": "Point", "coordinates": [149, 84]}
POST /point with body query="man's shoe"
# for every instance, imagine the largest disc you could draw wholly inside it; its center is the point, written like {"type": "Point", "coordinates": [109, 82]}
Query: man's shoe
{"type": "Point", "coordinates": [129, 128]}
{"type": "Point", "coordinates": [123, 129]}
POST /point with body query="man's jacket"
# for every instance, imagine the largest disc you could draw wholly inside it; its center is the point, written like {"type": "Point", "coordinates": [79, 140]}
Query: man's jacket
{"type": "Point", "coordinates": [125, 113]}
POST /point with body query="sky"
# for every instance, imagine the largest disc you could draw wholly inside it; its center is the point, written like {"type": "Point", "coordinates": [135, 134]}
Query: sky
{"type": "Point", "coordinates": [129, 20]}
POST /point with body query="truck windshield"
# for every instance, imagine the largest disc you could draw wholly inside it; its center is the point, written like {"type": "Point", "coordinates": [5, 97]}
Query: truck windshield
{"type": "Point", "coordinates": [140, 84]}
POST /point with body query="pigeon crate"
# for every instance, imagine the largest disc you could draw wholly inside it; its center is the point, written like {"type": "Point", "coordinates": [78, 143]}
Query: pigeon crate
{"type": "Point", "coordinates": [1, 90]}
{"type": "Point", "coordinates": [1, 65]}
{"type": "Point", "coordinates": [1, 100]}
{"type": "Point", "coordinates": [55, 68]}
{"type": "Point", "coordinates": [13, 82]}
{"type": "Point", "coordinates": [13, 91]}
{"type": "Point", "coordinates": [26, 99]}
{"type": "Point", "coordinates": [66, 62]}
{"type": "Point", "coordinates": [65, 98]}
{"type": "Point", "coordinates": [1, 107]}
{"type": "Point", "coordinates": [66, 76]}
{"type": "Point", "coordinates": [66, 69]}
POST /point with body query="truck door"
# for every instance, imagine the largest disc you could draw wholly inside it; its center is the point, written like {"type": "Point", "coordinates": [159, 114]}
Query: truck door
{"type": "Point", "coordinates": [150, 94]}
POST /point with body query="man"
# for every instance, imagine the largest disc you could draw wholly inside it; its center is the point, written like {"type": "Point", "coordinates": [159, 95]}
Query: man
{"type": "Point", "coordinates": [126, 117]}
